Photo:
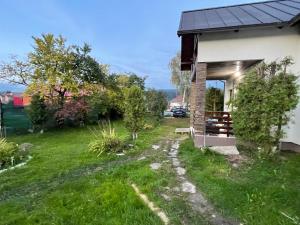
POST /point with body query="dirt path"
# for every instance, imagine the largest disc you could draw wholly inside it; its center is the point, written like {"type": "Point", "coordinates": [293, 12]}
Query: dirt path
{"type": "Point", "coordinates": [187, 190]}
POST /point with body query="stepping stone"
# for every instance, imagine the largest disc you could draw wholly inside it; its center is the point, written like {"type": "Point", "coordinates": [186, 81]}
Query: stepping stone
{"type": "Point", "coordinates": [175, 146]}
{"type": "Point", "coordinates": [175, 162]}
{"type": "Point", "coordinates": [225, 150]}
{"type": "Point", "coordinates": [173, 154]}
{"type": "Point", "coordinates": [155, 166]}
{"type": "Point", "coordinates": [180, 171]}
{"type": "Point", "coordinates": [166, 197]}
{"type": "Point", "coordinates": [155, 147]}
{"type": "Point", "coordinates": [188, 187]}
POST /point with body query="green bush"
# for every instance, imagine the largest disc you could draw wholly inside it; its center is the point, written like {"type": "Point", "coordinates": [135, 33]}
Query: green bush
{"type": "Point", "coordinates": [8, 152]}
{"type": "Point", "coordinates": [106, 141]}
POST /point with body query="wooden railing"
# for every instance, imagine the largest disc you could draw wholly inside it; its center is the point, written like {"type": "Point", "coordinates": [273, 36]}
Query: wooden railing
{"type": "Point", "coordinates": [218, 123]}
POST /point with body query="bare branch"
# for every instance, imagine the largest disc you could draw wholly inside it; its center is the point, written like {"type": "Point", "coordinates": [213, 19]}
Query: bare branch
{"type": "Point", "coordinates": [16, 71]}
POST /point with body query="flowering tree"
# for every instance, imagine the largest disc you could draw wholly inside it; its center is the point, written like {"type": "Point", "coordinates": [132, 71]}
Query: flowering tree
{"type": "Point", "coordinates": [75, 110]}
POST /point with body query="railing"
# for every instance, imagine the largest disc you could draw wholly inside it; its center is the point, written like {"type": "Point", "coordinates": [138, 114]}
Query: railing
{"type": "Point", "coordinates": [218, 123]}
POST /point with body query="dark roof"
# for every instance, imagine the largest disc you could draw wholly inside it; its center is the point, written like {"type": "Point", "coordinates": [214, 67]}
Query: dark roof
{"type": "Point", "coordinates": [270, 13]}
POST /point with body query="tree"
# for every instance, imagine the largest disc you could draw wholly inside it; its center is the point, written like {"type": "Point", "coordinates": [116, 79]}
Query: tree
{"type": "Point", "coordinates": [54, 68]}
{"type": "Point", "coordinates": [181, 79]}
{"type": "Point", "coordinates": [126, 80]}
{"type": "Point", "coordinates": [214, 99]}
{"type": "Point", "coordinates": [263, 105]}
{"type": "Point", "coordinates": [88, 70]}
{"type": "Point", "coordinates": [16, 71]}
{"type": "Point", "coordinates": [156, 102]}
{"type": "Point", "coordinates": [134, 110]}
{"type": "Point", "coordinates": [37, 111]}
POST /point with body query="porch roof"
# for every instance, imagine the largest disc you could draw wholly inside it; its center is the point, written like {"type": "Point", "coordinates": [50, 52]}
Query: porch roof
{"type": "Point", "coordinates": [270, 13]}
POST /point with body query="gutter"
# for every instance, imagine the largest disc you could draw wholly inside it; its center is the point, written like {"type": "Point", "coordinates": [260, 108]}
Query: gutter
{"type": "Point", "coordinates": [237, 28]}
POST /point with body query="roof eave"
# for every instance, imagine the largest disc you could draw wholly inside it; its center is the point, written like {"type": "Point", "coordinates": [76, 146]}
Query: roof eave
{"type": "Point", "coordinates": [233, 28]}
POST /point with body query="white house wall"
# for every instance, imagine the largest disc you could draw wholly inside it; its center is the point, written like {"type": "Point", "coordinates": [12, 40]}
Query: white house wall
{"type": "Point", "coordinates": [267, 44]}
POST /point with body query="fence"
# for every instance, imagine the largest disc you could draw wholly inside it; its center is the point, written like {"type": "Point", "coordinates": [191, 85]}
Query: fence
{"type": "Point", "coordinates": [15, 119]}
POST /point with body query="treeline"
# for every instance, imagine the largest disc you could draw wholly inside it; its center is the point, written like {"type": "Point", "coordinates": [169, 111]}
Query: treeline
{"type": "Point", "coordinates": [71, 88]}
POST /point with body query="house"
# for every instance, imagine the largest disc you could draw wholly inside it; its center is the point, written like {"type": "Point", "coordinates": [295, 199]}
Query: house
{"type": "Point", "coordinates": [222, 43]}
{"type": "Point", "coordinates": [21, 100]}
{"type": "Point", "coordinates": [176, 102]}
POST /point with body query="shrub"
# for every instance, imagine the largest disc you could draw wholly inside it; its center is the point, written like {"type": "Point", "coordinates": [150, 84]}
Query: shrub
{"type": "Point", "coordinates": [75, 112]}
{"type": "Point", "coordinates": [106, 141]}
{"type": "Point", "coordinates": [8, 152]}
{"type": "Point", "coordinates": [264, 104]}
{"type": "Point", "coordinates": [37, 111]}
{"type": "Point", "coordinates": [134, 107]}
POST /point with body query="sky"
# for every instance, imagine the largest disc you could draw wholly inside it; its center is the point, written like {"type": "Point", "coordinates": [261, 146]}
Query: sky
{"type": "Point", "coordinates": [136, 36]}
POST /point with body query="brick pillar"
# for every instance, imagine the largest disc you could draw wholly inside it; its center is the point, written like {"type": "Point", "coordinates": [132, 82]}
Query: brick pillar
{"type": "Point", "coordinates": [192, 103]}
{"type": "Point", "coordinates": [199, 112]}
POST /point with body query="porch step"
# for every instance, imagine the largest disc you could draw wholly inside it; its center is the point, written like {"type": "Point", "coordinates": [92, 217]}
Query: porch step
{"type": "Point", "coordinates": [225, 150]}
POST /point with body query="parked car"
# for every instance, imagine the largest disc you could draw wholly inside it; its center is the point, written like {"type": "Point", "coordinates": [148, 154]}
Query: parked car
{"type": "Point", "coordinates": [179, 112]}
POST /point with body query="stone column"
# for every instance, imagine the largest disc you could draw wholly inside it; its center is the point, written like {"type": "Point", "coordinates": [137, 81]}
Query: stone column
{"type": "Point", "coordinates": [199, 112]}
{"type": "Point", "coordinates": [192, 103]}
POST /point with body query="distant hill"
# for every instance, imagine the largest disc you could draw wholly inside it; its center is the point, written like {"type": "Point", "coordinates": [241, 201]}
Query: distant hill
{"type": "Point", "coordinates": [171, 93]}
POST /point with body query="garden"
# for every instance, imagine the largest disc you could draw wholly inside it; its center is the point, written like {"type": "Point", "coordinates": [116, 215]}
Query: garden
{"type": "Point", "coordinates": [100, 151]}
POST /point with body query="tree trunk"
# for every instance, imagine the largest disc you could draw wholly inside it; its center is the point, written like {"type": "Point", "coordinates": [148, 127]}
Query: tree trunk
{"type": "Point", "coordinates": [183, 97]}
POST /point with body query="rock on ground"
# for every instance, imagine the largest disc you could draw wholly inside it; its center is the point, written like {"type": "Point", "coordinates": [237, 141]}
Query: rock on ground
{"type": "Point", "coordinates": [188, 187]}
{"type": "Point", "coordinates": [155, 166]}
{"type": "Point", "coordinates": [180, 171]}
{"type": "Point", "coordinates": [155, 147]}
{"type": "Point", "coordinates": [225, 150]}
{"type": "Point", "coordinates": [25, 147]}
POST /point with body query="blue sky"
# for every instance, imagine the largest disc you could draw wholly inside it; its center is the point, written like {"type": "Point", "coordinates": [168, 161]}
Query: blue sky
{"type": "Point", "coordinates": [130, 35]}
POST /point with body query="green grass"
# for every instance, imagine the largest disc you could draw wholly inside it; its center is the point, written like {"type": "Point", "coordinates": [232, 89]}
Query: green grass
{"type": "Point", "coordinates": [257, 193]}
{"type": "Point", "coordinates": [65, 184]}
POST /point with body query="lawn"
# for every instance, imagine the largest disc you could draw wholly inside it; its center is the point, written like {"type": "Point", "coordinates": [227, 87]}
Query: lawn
{"type": "Point", "coordinates": [260, 192]}
{"type": "Point", "coordinates": [65, 184]}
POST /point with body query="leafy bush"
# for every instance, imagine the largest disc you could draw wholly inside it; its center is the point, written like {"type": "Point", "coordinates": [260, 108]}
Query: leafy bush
{"type": "Point", "coordinates": [264, 104]}
{"type": "Point", "coordinates": [75, 112]}
{"type": "Point", "coordinates": [134, 107]}
{"type": "Point", "coordinates": [37, 111]}
{"type": "Point", "coordinates": [8, 152]}
{"type": "Point", "coordinates": [106, 141]}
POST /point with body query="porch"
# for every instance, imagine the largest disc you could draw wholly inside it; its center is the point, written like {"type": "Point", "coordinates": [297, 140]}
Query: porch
{"type": "Point", "coordinates": [215, 128]}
